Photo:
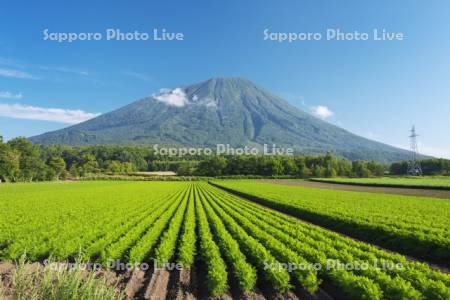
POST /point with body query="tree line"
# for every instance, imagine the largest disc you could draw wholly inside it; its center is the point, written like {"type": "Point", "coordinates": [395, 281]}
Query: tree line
{"type": "Point", "coordinates": [21, 160]}
{"type": "Point", "coordinates": [431, 166]}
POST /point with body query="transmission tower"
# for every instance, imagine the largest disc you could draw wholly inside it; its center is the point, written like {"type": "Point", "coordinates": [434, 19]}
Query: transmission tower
{"type": "Point", "coordinates": [414, 168]}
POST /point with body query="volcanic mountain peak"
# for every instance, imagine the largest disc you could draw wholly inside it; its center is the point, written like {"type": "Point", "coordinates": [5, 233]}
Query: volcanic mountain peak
{"type": "Point", "coordinates": [231, 111]}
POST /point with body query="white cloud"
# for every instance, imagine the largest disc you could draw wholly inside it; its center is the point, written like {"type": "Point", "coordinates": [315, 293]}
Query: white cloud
{"type": "Point", "coordinates": [211, 104]}
{"type": "Point", "coordinates": [7, 61]}
{"type": "Point", "coordinates": [9, 95]}
{"type": "Point", "coordinates": [176, 97]}
{"type": "Point", "coordinates": [65, 70]}
{"type": "Point", "coordinates": [321, 112]}
{"type": "Point", "coordinates": [206, 101]}
{"type": "Point", "coordinates": [68, 116]}
{"type": "Point", "coordinates": [16, 74]}
{"type": "Point", "coordinates": [139, 76]}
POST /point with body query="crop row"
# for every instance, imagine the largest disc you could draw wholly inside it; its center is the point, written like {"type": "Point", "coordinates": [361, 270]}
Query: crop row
{"type": "Point", "coordinates": [394, 278]}
{"type": "Point", "coordinates": [65, 219]}
{"type": "Point", "coordinates": [410, 225]}
{"type": "Point", "coordinates": [235, 242]}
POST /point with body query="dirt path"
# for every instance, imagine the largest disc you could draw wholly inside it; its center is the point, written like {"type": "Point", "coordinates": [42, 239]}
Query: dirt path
{"type": "Point", "coordinates": [358, 188]}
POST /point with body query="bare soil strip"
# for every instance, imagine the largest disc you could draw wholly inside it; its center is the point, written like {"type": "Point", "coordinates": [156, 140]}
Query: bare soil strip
{"type": "Point", "coordinates": [157, 288]}
{"type": "Point", "coordinates": [187, 285]}
{"type": "Point", "coordinates": [324, 292]}
{"type": "Point", "coordinates": [135, 284]}
{"type": "Point", "coordinates": [422, 192]}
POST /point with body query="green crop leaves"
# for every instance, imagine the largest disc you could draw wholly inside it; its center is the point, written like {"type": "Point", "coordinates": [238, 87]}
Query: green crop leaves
{"type": "Point", "coordinates": [186, 251]}
{"type": "Point", "coordinates": [416, 226]}
{"type": "Point", "coordinates": [235, 243]}
{"type": "Point", "coordinates": [217, 276]}
{"type": "Point", "coordinates": [244, 272]}
{"type": "Point", "coordinates": [166, 248]}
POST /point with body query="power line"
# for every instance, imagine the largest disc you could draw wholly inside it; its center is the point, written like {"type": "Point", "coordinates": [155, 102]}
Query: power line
{"type": "Point", "coordinates": [414, 168]}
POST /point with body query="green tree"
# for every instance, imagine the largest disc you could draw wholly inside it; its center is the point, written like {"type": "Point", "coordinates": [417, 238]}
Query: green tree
{"type": "Point", "coordinates": [375, 168]}
{"type": "Point", "coordinates": [128, 167]}
{"type": "Point", "coordinates": [185, 168]}
{"type": "Point", "coordinates": [213, 166]}
{"type": "Point", "coordinates": [360, 169]}
{"type": "Point", "coordinates": [74, 171]}
{"type": "Point", "coordinates": [114, 166]}
{"type": "Point", "coordinates": [305, 172]}
{"type": "Point", "coordinates": [318, 171]}
{"type": "Point", "coordinates": [9, 163]}
{"type": "Point", "coordinates": [276, 167]}
{"type": "Point", "coordinates": [57, 165]}
{"type": "Point", "coordinates": [330, 172]}
{"type": "Point", "coordinates": [88, 165]}
{"type": "Point", "coordinates": [289, 166]}
{"type": "Point", "coordinates": [30, 163]}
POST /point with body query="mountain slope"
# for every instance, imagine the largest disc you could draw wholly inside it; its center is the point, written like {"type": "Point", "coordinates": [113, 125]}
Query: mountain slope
{"type": "Point", "coordinates": [220, 111]}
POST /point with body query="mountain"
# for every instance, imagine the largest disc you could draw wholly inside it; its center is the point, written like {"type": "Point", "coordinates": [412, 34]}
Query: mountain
{"type": "Point", "coordinates": [231, 111]}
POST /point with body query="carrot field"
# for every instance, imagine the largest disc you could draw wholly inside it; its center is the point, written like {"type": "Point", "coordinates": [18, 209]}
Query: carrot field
{"type": "Point", "coordinates": [432, 182]}
{"type": "Point", "coordinates": [233, 245]}
{"type": "Point", "coordinates": [417, 226]}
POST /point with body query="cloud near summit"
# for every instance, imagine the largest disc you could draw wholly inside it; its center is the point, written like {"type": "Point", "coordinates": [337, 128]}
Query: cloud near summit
{"type": "Point", "coordinates": [176, 97]}
{"type": "Point", "coordinates": [321, 112]}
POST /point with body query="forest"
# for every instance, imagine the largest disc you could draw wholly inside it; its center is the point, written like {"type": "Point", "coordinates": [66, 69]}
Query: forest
{"type": "Point", "coordinates": [21, 160]}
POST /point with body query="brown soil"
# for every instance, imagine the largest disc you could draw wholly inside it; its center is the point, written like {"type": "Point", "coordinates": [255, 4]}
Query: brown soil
{"type": "Point", "coordinates": [254, 296]}
{"type": "Point", "coordinates": [157, 288]}
{"type": "Point", "coordinates": [288, 295]}
{"type": "Point", "coordinates": [135, 283]}
{"type": "Point", "coordinates": [322, 293]}
{"type": "Point", "coordinates": [6, 268]}
{"type": "Point", "coordinates": [187, 285]}
{"type": "Point", "coordinates": [445, 194]}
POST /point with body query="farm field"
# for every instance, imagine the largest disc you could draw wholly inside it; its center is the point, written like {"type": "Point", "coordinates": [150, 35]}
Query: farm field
{"type": "Point", "coordinates": [416, 226]}
{"type": "Point", "coordinates": [58, 218]}
{"type": "Point", "coordinates": [419, 192]}
{"type": "Point", "coordinates": [233, 246]}
{"type": "Point", "coordinates": [441, 182]}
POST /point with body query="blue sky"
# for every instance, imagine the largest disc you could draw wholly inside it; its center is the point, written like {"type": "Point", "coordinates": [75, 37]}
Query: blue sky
{"type": "Point", "coordinates": [377, 89]}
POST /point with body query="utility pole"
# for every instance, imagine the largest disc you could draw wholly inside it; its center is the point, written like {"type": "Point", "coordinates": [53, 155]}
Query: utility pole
{"type": "Point", "coordinates": [414, 168]}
